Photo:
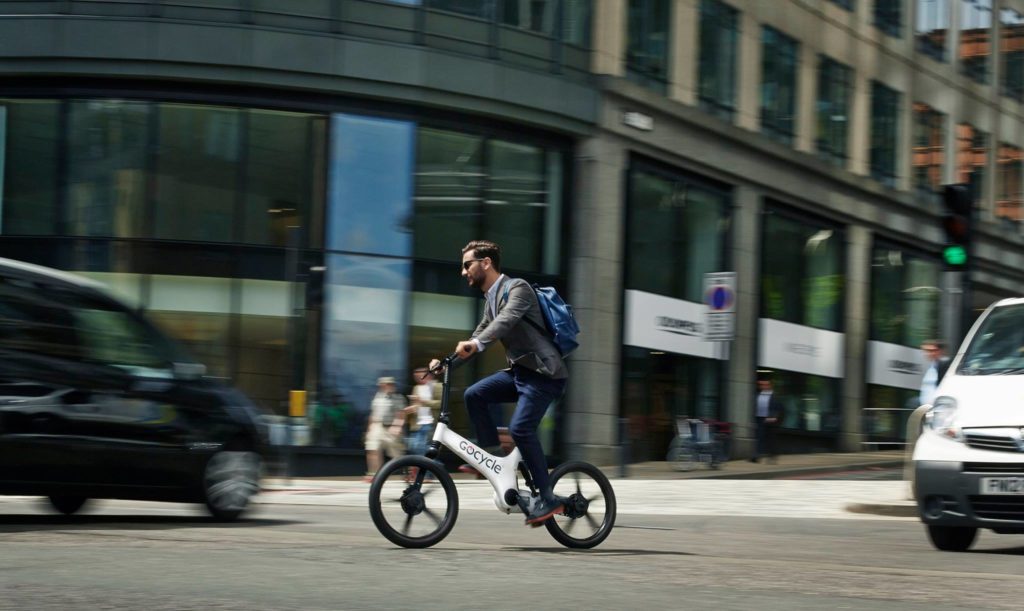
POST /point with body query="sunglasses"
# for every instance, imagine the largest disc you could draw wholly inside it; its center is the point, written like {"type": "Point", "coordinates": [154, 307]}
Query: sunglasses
{"type": "Point", "coordinates": [467, 264]}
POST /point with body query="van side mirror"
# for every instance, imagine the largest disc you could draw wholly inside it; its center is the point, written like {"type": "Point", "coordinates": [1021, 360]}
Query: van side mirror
{"type": "Point", "coordinates": [188, 371]}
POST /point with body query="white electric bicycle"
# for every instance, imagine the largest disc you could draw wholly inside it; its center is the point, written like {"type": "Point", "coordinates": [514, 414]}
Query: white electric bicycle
{"type": "Point", "coordinates": [414, 503]}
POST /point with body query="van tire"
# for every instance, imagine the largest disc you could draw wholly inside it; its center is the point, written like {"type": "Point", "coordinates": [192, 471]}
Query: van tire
{"type": "Point", "coordinates": [952, 538]}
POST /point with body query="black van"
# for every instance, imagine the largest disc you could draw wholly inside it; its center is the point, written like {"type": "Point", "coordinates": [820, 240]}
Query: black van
{"type": "Point", "coordinates": [95, 402]}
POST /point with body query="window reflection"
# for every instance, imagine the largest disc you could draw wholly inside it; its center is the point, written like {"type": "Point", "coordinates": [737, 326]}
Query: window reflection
{"type": "Point", "coordinates": [515, 203]}
{"type": "Point", "coordinates": [365, 334]}
{"type": "Point", "coordinates": [197, 312]}
{"type": "Point", "coordinates": [975, 38]}
{"type": "Point", "coordinates": [659, 388]}
{"type": "Point", "coordinates": [929, 149]}
{"type": "Point", "coordinates": [719, 36]}
{"type": "Point", "coordinates": [370, 206]}
{"type": "Point", "coordinates": [468, 187]}
{"type": "Point", "coordinates": [888, 16]}
{"type": "Point", "coordinates": [904, 297]}
{"type": "Point", "coordinates": [971, 157]}
{"type": "Point", "coordinates": [449, 185]}
{"type": "Point", "coordinates": [1010, 165]}
{"type": "Point", "coordinates": [885, 113]}
{"type": "Point", "coordinates": [676, 233]}
{"type": "Point", "coordinates": [264, 356]}
{"type": "Point", "coordinates": [29, 182]}
{"type": "Point", "coordinates": [932, 27]}
{"type": "Point", "coordinates": [647, 42]}
{"type": "Point", "coordinates": [835, 85]}
{"type": "Point", "coordinates": [1012, 46]}
{"type": "Point", "coordinates": [778, 84]}
{"type": "Point", "coordinates": [283, 174]}
{"type": "Point", "coordinates": [813, 254]}
{"type": "Point", "coordinates": [107, 167]}
{"type": "Point", "coordinates": [197, 172]}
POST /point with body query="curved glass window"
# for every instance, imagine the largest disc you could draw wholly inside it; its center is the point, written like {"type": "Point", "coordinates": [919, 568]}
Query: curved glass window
{"type": "Point", "coordinates": [107, 149]}
{"type": "Point", "coordinates": [29, 181]}
{"type": "Point", "coordinates": [469, 187]}
{"type": "Point", "coordinates": [370, 186]}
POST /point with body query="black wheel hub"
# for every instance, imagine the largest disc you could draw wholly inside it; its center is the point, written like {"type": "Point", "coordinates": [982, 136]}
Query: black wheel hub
{"type": "Point", "coordinates": [412, 501]}
{"type": "Point", "coordinates": [576, 506]}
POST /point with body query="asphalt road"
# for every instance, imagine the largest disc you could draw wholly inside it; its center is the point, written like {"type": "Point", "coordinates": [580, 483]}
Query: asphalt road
{"type": "Point", "coordinates": [127, 555]}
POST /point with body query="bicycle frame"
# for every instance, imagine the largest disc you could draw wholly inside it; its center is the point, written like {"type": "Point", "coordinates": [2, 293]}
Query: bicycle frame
{"type": "Point", "coordinates": [500, 471]}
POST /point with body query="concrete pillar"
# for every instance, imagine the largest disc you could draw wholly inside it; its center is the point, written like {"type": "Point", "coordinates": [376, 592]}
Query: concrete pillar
{"type": "Point", "coordinates": [859, 131]}
{"type": "Point", "coordinates": [858, 312]}
{"type": "Point", "coordinates": [741, 370]}
{"type": "Point", "coordinates": [595, 291]}
{"type": "Point", "coordinates": [806, 99]}
{"type": "Point", "coordinates": [685, 34]}
{"type": "Point", "coordinates": [609, 35]}
{"type": "Point", "coordinates": [748, 73]}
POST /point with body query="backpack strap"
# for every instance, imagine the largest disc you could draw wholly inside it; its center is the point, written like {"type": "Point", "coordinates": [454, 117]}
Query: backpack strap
{"type": "Point", "coordinates": [542, 329]}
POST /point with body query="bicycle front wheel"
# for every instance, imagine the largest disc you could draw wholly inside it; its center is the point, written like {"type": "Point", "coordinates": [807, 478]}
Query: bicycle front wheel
{"type": "Point", "coordinates": [589, 513]}
{"type": "Point", "coordinates": [412, 514]}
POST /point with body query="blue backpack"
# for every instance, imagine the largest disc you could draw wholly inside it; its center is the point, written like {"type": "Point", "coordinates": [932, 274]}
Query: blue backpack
{"type": "Point", "coordinates": [560, 323]}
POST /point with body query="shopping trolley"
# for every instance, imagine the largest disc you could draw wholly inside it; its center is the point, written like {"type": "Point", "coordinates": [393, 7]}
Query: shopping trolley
{"type": "Point", "coordinates": [698, 442]}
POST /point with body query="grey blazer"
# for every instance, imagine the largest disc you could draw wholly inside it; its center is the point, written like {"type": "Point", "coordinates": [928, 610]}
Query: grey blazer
{"type": "Point", "coordinates": [525, 345]}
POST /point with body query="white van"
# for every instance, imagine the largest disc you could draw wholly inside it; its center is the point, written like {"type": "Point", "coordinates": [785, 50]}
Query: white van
{"type": "Point", "coordinates": [969, 459]}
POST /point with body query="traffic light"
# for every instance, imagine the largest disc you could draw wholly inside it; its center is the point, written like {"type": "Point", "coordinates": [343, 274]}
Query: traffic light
{"type": "Point", "coordinates": [957, 224]}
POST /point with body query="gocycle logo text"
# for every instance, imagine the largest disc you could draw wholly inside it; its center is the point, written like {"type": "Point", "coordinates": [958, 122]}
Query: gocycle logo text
{"type": "Point", "coordinates": [677, 325]}
{"type": "Point", "coordinates": [480, 457]}
{"type": "Point", "coordinates": [904, 366]}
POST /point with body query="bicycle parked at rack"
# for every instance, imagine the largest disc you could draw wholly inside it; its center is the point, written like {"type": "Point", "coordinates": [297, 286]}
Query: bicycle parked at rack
{"type": "Point", "coordinates": [420, 513]}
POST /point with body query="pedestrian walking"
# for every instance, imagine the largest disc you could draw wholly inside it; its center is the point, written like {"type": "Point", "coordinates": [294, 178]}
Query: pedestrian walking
{"type": "Point", "coordinates": [384, 428]}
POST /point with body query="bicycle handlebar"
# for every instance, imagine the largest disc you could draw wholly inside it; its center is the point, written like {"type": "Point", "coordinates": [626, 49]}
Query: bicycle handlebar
{"type": "Point", "coordinates": [445, 362]}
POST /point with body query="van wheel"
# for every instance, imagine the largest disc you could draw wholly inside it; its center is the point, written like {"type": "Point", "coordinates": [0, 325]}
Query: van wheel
{"type": "Point", "coordinates": [67, 505]}
{"type": "Point", "coordinates": [230, 480]}
{"type": "Point", "coordinates": [952, 538]}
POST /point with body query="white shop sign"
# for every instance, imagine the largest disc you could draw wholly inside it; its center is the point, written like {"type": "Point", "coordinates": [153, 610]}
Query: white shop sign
{"type": "Point", "coordinates": [657, 322]}
{"type": "Point", "coordinates": [784, 345]}
{"type": "Point", "coordinates": [895, 365]}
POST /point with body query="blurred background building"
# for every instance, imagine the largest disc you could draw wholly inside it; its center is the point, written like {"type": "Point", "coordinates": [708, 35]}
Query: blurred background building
{"type": "Point", "coordinates": [286, 187]}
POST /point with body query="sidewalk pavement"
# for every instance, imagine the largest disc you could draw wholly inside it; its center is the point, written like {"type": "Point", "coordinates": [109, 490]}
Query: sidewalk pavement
{"type": "Point", "coordinates": [659, 483]}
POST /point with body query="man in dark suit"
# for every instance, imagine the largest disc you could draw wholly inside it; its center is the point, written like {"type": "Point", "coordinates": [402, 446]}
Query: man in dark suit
{"type": "Point", "coordinates": [767, 411]}
{"type": "Point", "coordinates": [536, 375]}
{"type": "Point", "coordinates": [938, 364]}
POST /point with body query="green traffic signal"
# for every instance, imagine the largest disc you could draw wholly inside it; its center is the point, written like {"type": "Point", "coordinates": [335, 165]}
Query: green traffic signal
{"type": "Point", "coordinates": [954, 255]}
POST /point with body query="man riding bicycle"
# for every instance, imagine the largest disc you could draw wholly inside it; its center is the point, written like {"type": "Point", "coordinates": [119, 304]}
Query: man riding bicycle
{"type": "Point", "coordinates": [536, 375]}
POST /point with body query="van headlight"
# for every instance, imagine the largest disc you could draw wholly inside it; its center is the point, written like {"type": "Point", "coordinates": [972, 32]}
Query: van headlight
{"type": "Point", "coordinates": [941, 418]}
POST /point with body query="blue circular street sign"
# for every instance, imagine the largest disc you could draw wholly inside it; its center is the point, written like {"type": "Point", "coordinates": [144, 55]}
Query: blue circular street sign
{"type": "Point", "coordinates": [720, 298]}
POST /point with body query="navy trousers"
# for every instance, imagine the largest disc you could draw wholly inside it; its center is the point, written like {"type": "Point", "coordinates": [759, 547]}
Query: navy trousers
{"type": "Point", "coordinates": [532, 394]}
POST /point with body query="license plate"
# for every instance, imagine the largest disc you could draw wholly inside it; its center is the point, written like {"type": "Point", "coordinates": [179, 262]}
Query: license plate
{"type": "Point", "coordinates": [1002, 485]}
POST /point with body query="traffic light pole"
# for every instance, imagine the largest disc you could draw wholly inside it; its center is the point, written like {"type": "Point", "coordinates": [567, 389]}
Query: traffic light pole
{"type": "Point", "coordinates": [952, 308]}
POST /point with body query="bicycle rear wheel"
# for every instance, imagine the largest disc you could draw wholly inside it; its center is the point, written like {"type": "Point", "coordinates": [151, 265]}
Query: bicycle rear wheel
{"type": "Point", "coordinates": [589, 513]}
{"type": "Point", "coordinates": [410, 514]}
